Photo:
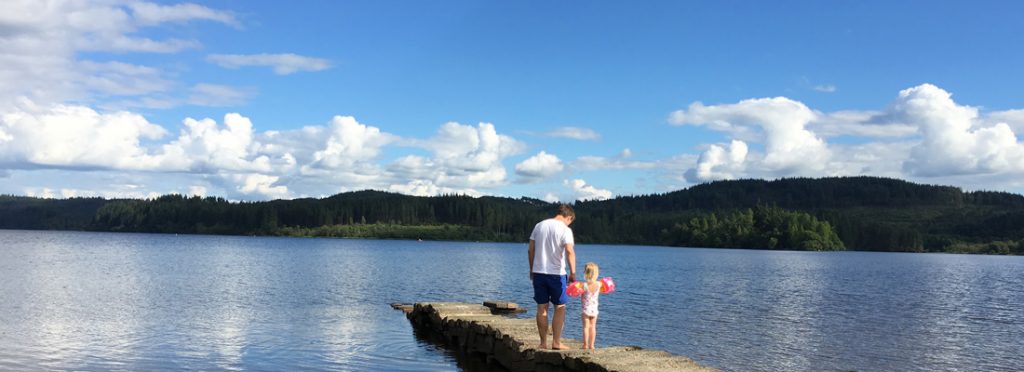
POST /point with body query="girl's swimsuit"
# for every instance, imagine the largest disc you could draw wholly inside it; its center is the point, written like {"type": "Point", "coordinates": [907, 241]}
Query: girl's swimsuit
{"type": "Point", "coordinates": [590, 300]}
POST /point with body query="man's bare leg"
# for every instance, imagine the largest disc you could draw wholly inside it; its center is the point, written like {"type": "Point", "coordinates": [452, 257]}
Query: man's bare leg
{"type": "Point", "coordinates": [557, 324]}
{"type": "Point", "coordinates": [542, 325]}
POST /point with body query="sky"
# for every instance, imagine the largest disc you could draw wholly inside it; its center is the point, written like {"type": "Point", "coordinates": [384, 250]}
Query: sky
{"type": "Point", "coordinates": [561, 101]}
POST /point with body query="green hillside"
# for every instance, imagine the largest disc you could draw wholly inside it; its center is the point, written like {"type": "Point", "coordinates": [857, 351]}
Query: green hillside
{"type": "Point", "coordinates": [854, 213]}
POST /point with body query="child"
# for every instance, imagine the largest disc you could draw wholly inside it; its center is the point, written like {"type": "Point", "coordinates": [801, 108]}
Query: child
{"type": "Point", "coordinates": [591, 292]}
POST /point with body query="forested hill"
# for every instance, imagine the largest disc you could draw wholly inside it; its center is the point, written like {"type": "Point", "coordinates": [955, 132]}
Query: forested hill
{"type": "Point", "coordinates": [857, 213]}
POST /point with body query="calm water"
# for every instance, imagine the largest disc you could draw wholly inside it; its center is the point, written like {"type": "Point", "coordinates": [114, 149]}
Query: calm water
{"type": "Point", "coordinates": [143, 302]}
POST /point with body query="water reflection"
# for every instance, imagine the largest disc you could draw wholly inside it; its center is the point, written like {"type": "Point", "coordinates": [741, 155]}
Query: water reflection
{"type": "Point", "coordinates": [156, 302]}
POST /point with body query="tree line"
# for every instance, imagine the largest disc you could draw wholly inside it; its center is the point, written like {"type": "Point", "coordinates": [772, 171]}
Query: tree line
{"type": "Point", "coordinates": [857, 213]}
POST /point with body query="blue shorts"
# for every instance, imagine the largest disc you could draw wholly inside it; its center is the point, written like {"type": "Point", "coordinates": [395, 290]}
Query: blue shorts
{"type": "Point", "coordinates": [550, 288]}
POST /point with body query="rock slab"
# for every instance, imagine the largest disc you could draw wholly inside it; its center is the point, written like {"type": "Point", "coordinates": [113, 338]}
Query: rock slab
{"type": "Point", "coordinates": [512, 342]}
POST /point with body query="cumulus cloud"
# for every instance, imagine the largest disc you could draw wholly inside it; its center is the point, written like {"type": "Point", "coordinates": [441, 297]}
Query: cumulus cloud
{"type": "Point", "coordinates": [851, 123]}
{"type": "Point", "coordinates": [282, 64]}
{"type": "Point", "coordinates": [1013, 118]}
{"type": "Point", "coordinates": [110, 193]}
{"type": "Point", "coordinates": [582, 191]}
{"type": "Point", "coordinates": [316, 160]}
{"type": "Point", "coordinates": [790, 148]}
{"type": "Point", "coordinates": [205, 146]}
{"type": "Point", "coordinates": [719, 163]}
{"type": "Point", "coordinates": [68, 136]}
{"type": "Point", "coordinates": [883, 159]}
{"type": "Point", "coordinates": [348, 144]}
{"type": "Point", "coordinates": [261, 184]}
{"type": "Point", "coordinates": [539, 167]}
{"type": "Point", "coordinates": [428, 188]}
{"type": "Point", "coordinates": [922, 133]}
{"type": "Point", "coordinates": [465, 156]}
{"type": "Point", "coordinates": [950, 146]}
{"type": "Point", "coordinates": [197, 190]}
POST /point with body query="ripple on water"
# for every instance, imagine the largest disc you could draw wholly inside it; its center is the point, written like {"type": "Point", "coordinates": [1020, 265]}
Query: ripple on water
{"type": "Point", "coordinates": [158, 302]}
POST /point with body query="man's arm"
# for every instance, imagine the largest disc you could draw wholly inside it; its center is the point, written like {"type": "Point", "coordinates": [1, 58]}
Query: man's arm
{"type": "Point", "coordinates": [532, 248]}
{"type": "Point", "coordinates": [571, 253]}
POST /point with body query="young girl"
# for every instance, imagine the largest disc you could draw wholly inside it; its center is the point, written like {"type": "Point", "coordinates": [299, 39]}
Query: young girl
{"type": "Point", "coordinates": [591, 292]}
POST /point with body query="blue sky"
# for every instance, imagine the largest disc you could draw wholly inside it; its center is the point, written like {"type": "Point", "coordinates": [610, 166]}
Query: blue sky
{"type": "Point", "coordinates": [553, 100]}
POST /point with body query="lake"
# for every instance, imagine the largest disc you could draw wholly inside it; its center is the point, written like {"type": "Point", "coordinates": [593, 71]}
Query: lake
{"type": "Point", "coordinates": [74, 300]}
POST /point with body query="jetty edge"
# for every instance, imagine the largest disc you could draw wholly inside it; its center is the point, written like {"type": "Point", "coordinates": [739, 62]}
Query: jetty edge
{"type": "Point", "coordinates": [487, 330]}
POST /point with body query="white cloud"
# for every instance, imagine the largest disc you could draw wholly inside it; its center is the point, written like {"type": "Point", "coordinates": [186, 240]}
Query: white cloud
{"type": "Point", "coordinates": [43, 192]}
{"type": "Point", "coordinates": [349, 142]}
{"type": "Point", "coordinates": [64, 193]}
{"type": "Point", "coordinates": [465, 156]}
{"type": "Point", "coordinates": [550, 198]}
{"type": "Point", "coordinates": [283, 64]}
{"type": "Point", "coordinates": [101, 25]}
{"type": "Point", "coordinates": [617, 162]}
{"type": "Point", "coordinates": [205, 94]}
{"type": "Point", "coordinates": [1013, 118]}
{"type": "Point", "coordinates": [539, 167]}
{"type": "Point", "coordinates": [122, 79]}
{"type": "Point", "coordinates": [261, 184]}
{"type": "Point", "coordinates": [197, 190]}
{"type": "Point", "coordinates": [339, 156]}
{"type": "Point", "coordinates": [924, 133]}
{"type": "Point", "coordinates": [883, 159]}
{"type": "Point", "coordinates": [40, 42]}
{"type": "Point", "coordinates": [790, 148]}
{"type": "Point", "coordinates": [582, 191]}
{"type": "Point", "coordinates": [950, 145]}
{"type": "Point", "coordinates": [582, 134]}
{"type": "Point", "coordinates": [859, 124]}
{"type": "Point", "coordinates": [148, 14]}
{"type": "Point", "coordinates": [322, 160]}
{"type": "Point", "coordinates": [75, 137]}
{"type": "Point", "coordinates": [204, 146]}
{"type": "Point", "coordinates": [428, 188]}
{"type": "Point", "coordinates": [718, 163]}
{"type": "Point", "coordinates": [142, 102]}
{"type": "Point", "coordinates": [825, 88]}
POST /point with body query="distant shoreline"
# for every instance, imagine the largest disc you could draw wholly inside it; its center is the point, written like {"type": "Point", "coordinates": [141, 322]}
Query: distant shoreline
{"type": "Point", "coordinates": [490, 241]}
{"type": "Point", "coordinates": [837, 213]}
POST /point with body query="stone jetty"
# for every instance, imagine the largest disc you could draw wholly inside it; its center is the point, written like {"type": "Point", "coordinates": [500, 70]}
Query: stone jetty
{"type": "Point", "coordinates": [486, 330]}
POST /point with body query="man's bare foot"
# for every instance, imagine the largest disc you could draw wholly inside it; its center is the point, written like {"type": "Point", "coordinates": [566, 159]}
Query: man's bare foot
{"type": "Point", "coordinates": [542, 346]}
{"type": "Point", "coordinates": [559, 347]}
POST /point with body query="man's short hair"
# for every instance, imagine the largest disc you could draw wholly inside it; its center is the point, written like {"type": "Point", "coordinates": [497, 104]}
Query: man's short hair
{"type": "Point", "coordinates": [565, 210]}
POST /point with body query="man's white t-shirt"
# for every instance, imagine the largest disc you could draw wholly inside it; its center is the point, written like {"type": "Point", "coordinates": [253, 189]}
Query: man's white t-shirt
{"type": "Point", "coordinates": [550, 237]}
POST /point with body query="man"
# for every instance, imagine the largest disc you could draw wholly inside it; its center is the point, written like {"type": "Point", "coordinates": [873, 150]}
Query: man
{"type": "Point", "coordinates": [550, 244]}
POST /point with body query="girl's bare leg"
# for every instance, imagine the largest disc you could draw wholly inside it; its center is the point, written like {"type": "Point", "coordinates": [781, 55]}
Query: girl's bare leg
{"type": "Point", "coordinates": [586, 330]}
{"type": "Point", "coordinates": [593, 332]}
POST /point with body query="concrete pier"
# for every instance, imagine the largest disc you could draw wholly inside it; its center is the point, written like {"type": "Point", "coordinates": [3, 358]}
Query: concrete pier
{"type": "Point", "coordinates": [512, 343]}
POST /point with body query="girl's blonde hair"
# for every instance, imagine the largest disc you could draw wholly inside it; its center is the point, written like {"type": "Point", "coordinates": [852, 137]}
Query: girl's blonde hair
{"type": "Point", "coordinates": [590, 271]}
